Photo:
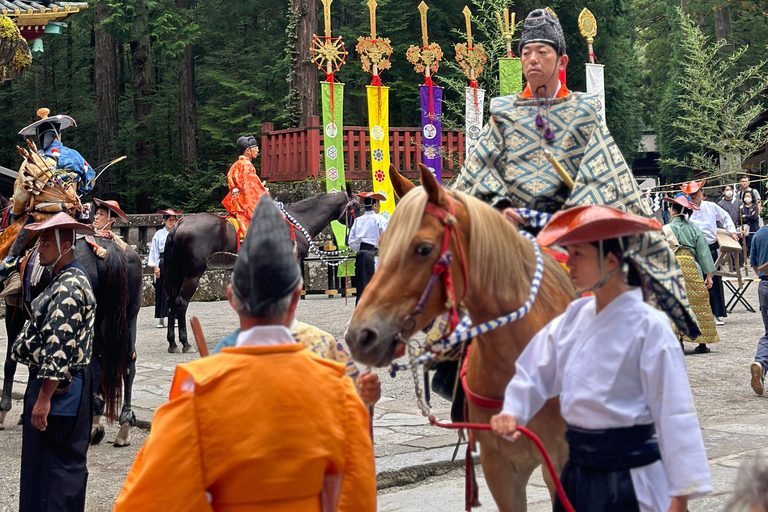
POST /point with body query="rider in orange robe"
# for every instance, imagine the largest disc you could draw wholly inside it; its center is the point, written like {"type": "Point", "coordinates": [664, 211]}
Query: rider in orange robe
{"type": "Point", "coordinates": [245, 187]}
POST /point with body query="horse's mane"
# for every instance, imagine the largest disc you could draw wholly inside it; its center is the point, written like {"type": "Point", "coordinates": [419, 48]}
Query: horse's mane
{"type": "Point", "coordinates": [502, 261]}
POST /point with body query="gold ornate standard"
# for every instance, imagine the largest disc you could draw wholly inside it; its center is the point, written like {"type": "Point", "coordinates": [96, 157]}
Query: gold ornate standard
{"type": "Point", "coordinates": [374, 52]}
{"type": "Point", "coordinates": [426, 59]}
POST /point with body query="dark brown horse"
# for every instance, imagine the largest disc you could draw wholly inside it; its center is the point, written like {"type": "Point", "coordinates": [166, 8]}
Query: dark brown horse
{"type": "Point", "coordinates": [193, 240]}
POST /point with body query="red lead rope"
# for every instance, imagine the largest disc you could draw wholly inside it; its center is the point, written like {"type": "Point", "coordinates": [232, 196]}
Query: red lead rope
{"type": "Point", "coordinates": [482, 426]}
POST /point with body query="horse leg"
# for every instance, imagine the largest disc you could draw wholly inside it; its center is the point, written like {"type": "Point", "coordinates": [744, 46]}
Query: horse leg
{"type": "Point", "coordinates": [507, 480]}
{"type": "Point", "coordinates": [182, 304]}
{"type": "Point", "coordinates": [127, 417]}
{"type": "Point", "coordinates": [97, 429]}
{"type": "Point", "coordinates": [14, 322]}
{"type": "Point", "coordinates": [172, 347]}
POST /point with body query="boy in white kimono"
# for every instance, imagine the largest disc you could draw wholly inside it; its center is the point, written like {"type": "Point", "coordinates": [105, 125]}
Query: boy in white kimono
{"type": "Point", "coordinates": [633, 434]}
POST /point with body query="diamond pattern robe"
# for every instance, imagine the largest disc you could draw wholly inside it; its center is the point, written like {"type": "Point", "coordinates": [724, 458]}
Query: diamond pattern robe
{"type": "Point", "coordinates": [508, 162]}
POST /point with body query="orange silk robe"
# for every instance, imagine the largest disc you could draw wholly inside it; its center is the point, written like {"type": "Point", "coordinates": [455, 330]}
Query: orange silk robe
{"type": "Point", "coordinates": [267, 428]}
{"type": "Point", "coordinates": [242, 176]}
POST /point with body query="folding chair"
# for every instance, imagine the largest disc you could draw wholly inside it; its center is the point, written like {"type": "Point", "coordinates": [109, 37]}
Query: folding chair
{"type": "Point", "coordinates": [732, 272]}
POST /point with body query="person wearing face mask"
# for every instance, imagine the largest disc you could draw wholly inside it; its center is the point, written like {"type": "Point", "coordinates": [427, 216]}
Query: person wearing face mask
{"type": "Point", "coordinates": [745, 186]}
{"type": "Point", "coordinates": [56, 344]}
{"type": "Point", "coordinates": [751, 215]}
{"type": "Point", "coordinates": [730, 203]}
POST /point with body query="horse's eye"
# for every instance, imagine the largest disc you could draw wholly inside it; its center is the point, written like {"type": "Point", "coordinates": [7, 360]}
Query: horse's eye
{"type": "Point", "coordinates": [424, 249]}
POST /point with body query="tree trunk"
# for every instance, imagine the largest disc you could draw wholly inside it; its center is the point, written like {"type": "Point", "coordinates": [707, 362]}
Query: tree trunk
{"type": "Point", "coordinates": [105, 85]}
{"type": "Point", "coordinates": [187, 103]}
{"type": "Point", "coordinates": [141, 84]}
{"type": "Point", "coordinates": [303, 99]}
{"type": "Point", "coordinates": [723, 28]}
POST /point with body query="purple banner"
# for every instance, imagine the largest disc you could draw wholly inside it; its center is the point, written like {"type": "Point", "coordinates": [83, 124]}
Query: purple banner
{"type": "Point", "coordinates": [431, 130]}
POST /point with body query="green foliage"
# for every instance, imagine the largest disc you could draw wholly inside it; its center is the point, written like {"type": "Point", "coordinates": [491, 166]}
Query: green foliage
{"type": "Point", "coordinates": [710, 103]}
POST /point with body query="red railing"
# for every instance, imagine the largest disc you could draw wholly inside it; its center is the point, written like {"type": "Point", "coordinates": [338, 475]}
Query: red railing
{"type": "Point", "coordinates": [290, 155]}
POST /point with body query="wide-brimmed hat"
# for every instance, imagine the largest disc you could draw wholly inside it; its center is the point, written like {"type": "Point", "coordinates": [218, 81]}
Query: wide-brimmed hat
{"type": "Point", "coordinates": [59, 123]}
{"type": "Point", "coordinates": [378, 196]}
{"type": "Point", "coordinates": [169, 212]}
{"type": "Point", "coordinates": [112, 206]}
{"type": "Point", "coordinates": [692, 186]}
{"type": "Point", "coordinates": [590, 223]}
{"type": "Point", "coordinates": [683, 201]}
{"type": "Point", "coordinates": [61, 221]}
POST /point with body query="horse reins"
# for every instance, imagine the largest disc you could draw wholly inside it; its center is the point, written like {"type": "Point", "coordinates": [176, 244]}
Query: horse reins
{"type": "Point", "coordinates": [441, 268]}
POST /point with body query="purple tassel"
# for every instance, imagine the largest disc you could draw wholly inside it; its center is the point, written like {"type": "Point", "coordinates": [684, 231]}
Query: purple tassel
{"type": "Point", "coordinates": [539, 121]}
{"type": "Point", "coordinates": [549, 134]}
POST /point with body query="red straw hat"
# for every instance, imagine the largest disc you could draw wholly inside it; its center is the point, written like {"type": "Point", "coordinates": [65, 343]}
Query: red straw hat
{"type": "Point", "coordinates": [590, 223]}
{"type": "Point", "coordinates": [112, 206]}
{"type": "Point", "coordinates": [169, 212]}
{"type": "Point", "coordinates": [692, 186]}
{"type": "Point", "coordinates": [378, 196]}
{"type": "Point", "coordinates": [60, 221]}
{"type": "Point", "coordinates": [682, 201]}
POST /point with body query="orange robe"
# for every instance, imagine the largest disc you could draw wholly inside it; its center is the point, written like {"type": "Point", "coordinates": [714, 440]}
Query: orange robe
{"type": "Point", "coordinates": [243, 178]}
{"type": "Point", "coordinates": [265, 428]}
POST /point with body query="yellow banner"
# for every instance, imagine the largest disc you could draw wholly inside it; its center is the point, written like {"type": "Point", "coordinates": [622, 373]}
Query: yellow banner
{"type": "Point", "coordinates": [378, 125]}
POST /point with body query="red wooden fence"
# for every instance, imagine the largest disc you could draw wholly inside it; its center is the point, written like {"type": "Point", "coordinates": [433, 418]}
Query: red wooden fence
{"type": "Point", "coordinates": [291, 155]}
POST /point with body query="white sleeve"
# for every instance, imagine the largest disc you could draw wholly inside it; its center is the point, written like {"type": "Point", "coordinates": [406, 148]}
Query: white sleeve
{"type": "Point", "coordinates": [668, 394]}
{"type": "Point", "coordinates": [354, 239]}
{"type": "Point", "coordinates": [724, 218]}
{"type": "Point", "coordinates": [536, 377]}
{"type": "Point", "coordinates": [154, 252]}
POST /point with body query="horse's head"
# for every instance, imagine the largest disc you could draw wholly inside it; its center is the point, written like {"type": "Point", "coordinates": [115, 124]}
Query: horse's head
{"type": "Point", "coordinates": [394, 305]}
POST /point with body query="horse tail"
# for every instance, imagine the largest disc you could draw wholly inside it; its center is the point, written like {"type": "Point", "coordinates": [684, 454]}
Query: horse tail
{"type": "Point", "coordinates": [171, 279]}
{"type": "Point", "coordinates": [116, 344]}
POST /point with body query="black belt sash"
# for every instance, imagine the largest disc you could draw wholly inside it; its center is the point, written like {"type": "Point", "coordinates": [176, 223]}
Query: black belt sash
{"type": "Point", "coordinates": [367, 247]}
{"type": "Point", "coordinates": [613, 449]}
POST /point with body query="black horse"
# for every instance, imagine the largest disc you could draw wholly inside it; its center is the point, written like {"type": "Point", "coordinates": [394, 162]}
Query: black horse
{"type": "Point", "coordinates": [117, 284]}
{"type": "Point", "coordinates": [193, 240]}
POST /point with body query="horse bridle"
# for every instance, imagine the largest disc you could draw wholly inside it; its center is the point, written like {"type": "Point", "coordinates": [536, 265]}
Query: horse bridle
{"type": "Point", "coordinates": [442, 267]}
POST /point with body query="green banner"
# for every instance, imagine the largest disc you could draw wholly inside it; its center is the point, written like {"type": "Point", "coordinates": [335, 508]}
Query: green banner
{"type": "Point", "coordinates": [333, 147]}
{"type": "Point", "coordinates": [510, 76]}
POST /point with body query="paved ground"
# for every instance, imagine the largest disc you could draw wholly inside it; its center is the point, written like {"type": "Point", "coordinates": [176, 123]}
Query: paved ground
{"type": "Point", "coordinates": [413, 459]}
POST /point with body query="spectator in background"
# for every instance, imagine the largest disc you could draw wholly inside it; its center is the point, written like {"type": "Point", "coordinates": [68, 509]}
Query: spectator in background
{"type": "Point", "coordinates": [730, 203]}
{"type": "Point", "coordinates": [759, 257]}
{"type": "Point", "coordinates": [750, 212]}
{"type": "Point", "coordinates": [744, 188]}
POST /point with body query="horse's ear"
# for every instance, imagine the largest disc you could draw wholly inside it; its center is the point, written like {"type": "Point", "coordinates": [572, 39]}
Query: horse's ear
{"type": "Point", "coordinates": [400, 183]}
{"type": "Point", "coordinates": [349, 189]}
{"type": "Point", "coordinates": [434, 189]}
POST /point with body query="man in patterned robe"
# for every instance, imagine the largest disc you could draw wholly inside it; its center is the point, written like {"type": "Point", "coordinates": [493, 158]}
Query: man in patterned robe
{"type": "Point", "coordinates": [509, 163]}
{"type": "Point", "coordinates": [56, 345]}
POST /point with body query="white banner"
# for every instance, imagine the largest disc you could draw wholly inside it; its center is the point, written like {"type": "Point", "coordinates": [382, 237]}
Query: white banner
{"type": "Point", "coordinates": [596, 83]}
{"type": "Point", "coordinates": [473, 116]}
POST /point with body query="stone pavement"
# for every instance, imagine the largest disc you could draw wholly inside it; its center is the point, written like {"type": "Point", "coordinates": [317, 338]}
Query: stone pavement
{"type": "Point", "coordinates": [410, 453]}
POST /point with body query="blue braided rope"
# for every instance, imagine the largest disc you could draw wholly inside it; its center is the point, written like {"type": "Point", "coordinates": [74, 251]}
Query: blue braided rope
{"type": "Point", "coordinates": [535, 219]}
{"type": "Point", "coordinates": [463, 333]}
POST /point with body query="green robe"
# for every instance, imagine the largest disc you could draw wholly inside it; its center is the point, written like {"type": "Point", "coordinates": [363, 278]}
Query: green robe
{"type": "Point", "coordinates": [691, 238]}
{"type": "Point", "coordinates": [508, 163]}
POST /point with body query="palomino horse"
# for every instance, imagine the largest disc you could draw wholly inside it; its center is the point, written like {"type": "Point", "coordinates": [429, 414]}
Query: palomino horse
{"type": "Point", "coordinates": [193, 240]}
{"type": "Point", "coordinates": [497, 264]}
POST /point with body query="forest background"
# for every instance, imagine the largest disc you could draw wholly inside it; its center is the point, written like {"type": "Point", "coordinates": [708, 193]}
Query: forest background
{"type": "Point", "coordinates": [173, 83]}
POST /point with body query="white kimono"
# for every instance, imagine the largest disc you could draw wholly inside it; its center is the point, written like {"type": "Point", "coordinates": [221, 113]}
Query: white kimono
{"type": "Point", "coordinates": [620, 368]}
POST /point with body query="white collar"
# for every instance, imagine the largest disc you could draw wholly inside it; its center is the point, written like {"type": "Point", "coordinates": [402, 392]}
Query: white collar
{"type": "Point", "coordinates": [265, 335]}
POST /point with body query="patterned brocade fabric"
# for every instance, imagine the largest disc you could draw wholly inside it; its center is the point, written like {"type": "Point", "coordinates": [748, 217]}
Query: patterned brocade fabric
{"type": "Point", "coordinates": [508, 162]}
{"type": "Point", "coordinates": [324, 345]}
{"type": "Point", "coordinates": [60, 334]}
